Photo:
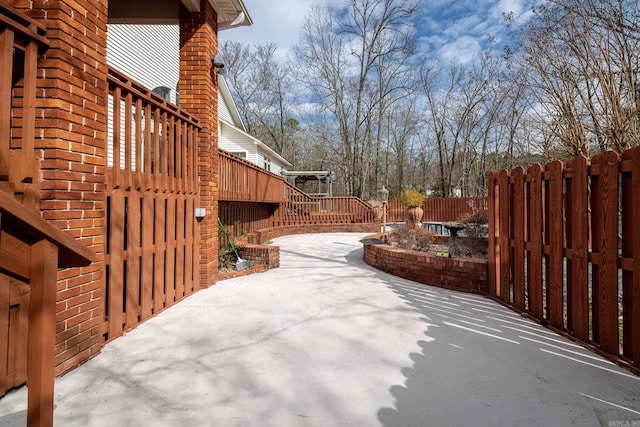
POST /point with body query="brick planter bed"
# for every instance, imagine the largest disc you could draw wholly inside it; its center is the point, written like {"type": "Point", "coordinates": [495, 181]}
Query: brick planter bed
{"type": "Point", "coordinates": [462, 274]}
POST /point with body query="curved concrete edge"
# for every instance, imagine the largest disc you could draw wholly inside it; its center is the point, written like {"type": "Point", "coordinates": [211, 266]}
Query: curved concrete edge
{"type": "Point", "coordinates": [256, 248]}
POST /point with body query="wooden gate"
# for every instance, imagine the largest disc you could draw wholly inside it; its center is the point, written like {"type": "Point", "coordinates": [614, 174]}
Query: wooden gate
{"type": "Point", "coordinates": [14, 324]}
{"type": "Point", "coordinates": [152, 232]}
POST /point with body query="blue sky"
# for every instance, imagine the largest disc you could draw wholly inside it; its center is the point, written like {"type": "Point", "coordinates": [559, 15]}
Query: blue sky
{"type": "Point", "coordinates": [449, 30]}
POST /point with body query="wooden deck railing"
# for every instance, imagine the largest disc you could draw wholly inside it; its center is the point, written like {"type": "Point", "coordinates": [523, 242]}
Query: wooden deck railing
{"type": "Point", "coordinates": [438, 208]}
{"type": "Point", "coordinates": [20, 41]}
{"type": "Point", "coordinates": [564, 247]}
{"type": "Point", "coordinates": [252, 198]}
{"type": "Point", "coordinates": [31, 251]}
{"type": "Point", "coordinates": [300, 209]}
{"type": "Point", "coordinates": [151, 143]}
{"type": "Point", "coordinates": [242, 181]}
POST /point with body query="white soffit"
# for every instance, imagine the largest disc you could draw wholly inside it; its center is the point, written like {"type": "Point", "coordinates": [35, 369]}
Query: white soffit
{"type": "Point", "coordinates": [231, 13]}
{"type": "Point", "coordinates": [192, 5]}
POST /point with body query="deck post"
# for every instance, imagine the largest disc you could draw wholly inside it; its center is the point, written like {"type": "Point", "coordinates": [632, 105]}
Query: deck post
{"type": "Point", "coordinates": [42, 333]}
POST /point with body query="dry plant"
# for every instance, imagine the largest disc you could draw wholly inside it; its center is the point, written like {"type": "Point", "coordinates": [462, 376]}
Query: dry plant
{"type": "Point", "coordinates": [417, 239]}
{"type": "Point", "coordinates": [475, 243]}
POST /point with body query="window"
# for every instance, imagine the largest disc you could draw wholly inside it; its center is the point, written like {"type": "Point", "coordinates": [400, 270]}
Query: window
{"type": "Point", "coordinates": [241, 154]}
{"type": "Point", "coordinates": [163, 91]}
{"type": "Point", "coordinates": [267, 163]}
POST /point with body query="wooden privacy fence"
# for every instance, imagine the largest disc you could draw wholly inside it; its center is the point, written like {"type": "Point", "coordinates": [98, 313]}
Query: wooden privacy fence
{"type": "Point", "coordinates": [243, 217]}
{"type": "Point", "coordinates": [564, 245]}
{"type": "Point", "coordinates": [152, 193]}
{"type": "Point", "coordinates": [438, 208]}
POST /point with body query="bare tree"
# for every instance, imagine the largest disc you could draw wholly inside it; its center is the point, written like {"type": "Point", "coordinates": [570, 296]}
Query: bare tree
{"type": "Point", "coordinates": [585, 58]}
{"type": "Point", "coordinates": [261, 85]}
{"type": "Point", "coordinates": [454, 97]}
{"type": "Point", "coordinates": [340, 59]}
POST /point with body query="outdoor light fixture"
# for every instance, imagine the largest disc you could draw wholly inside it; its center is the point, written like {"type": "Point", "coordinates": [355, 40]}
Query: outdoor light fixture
{"type": "Point", "coordinates": [218, 62]}
{"type": "Point", "coordinates": [200, 213]}
{"type": "Point", "coordinates": [383, 195]}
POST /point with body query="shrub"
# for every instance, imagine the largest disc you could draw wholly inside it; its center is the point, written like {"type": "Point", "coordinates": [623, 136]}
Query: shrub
{"type": "Point", "coordinates": [412, 198]}
{"type": "Point", "coordinates": [477, 217]}
{"type": "Point", "coordinates": [476, 223]}
{"type": "Point", "coordinates": [417, 239]}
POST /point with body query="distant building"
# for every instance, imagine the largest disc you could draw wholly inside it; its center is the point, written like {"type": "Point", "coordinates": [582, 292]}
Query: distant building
{"type": "Point", "coordinates": [233, 137]}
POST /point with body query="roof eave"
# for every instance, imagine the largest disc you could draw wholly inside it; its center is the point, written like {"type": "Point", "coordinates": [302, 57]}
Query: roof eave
{"type": "Point", "coordinates": [231, 14]}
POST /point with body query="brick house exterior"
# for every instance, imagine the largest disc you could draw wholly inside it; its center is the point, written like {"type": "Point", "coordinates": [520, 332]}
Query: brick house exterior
{"type": "Point", "coordinates": [71, 143]}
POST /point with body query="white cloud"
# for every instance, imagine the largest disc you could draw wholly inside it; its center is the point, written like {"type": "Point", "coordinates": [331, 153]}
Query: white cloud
{"type": "Point", "coordinates": [507, 7]}
{"type": "Point", "coordinates": [273, 21]}
{"type": "Point", "coordinates": [456, 30]}
{"type": "Point", "coordinates": [462, 50]}
{"type": "Point", "coordinates": [464, 25]}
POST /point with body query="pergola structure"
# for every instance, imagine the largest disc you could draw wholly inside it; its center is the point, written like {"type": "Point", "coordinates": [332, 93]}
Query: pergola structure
{"type": "Point", "coordinates": [323, 180]}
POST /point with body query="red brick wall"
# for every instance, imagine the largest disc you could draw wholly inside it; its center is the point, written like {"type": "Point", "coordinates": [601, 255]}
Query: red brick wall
{"type": "Point", "coordinates": [70, 141]}
{"type": "Point", "coordinates": [464, 274]}
{"type": "Point", "coordinates": [71, 144]}
{"type": "Point", "coordinates": [267, 255]}
{"type": "Point", "coordinates": [199, 96]}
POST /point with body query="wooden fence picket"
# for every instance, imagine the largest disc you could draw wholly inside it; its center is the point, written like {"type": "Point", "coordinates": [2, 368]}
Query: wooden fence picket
{"type": "Point", "coordinates": [517, 230]}
{"type": "Point", "coordinates": [604, 232]}
{"type": "Point", "coordinates": [534, 247]}
{"type": "Point", "coordinates": [160, 254]}
{"type": "Point", "coordinates": [503, 227]}
{"type": "Point", "coordinates": [577, 239]}
{"type": "Point", "coordinates": [146, 268]}
{"type": "Point", "coordinates": [189, 249]}
{"type": "Point", "coordinates": [170, 252]}
{"type": "Point", "coordinates": [116, 263]}
{"type": "Point", "coordinates": [180, 247]}
{"type": "Point", "coordinates": [554, 232]}
{"type": "Point", "coordinates": [493, 253]}
{"type": "Point", "coordinates": [630, 213]}
{"type": "Point", "coordinates": [132, 276]}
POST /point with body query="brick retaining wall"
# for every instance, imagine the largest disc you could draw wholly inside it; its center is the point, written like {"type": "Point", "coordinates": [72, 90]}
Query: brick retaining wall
{"type": "Point", "coordinates": [463, 274]}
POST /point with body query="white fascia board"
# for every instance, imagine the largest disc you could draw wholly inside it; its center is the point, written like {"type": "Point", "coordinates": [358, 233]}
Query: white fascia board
{"type": "Point", "coordinates": [272, 153]}
{"type": "Point", "coordinates": [223, 87]}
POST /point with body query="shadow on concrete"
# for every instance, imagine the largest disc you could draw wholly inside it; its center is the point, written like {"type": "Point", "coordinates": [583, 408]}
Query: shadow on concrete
{"type": "Point", "coordinates": [480, 364]}
{"type": "Point", "coordinates": [474, 363]}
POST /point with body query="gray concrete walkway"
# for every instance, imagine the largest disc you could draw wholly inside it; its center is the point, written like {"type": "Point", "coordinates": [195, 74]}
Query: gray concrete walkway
{"type": "Point", "coordinates": [326, 340]}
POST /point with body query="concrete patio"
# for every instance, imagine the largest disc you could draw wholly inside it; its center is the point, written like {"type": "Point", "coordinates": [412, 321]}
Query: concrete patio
{"type": "Point", "coordinates": [326, 340]}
